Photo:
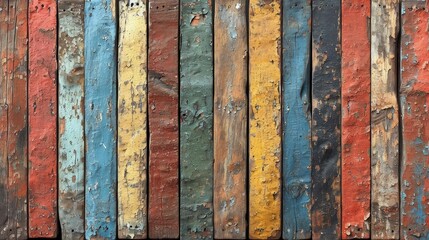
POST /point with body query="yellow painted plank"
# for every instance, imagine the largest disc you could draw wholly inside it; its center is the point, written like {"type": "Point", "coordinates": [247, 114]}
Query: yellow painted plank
{"type": "Point", "coordinates": [132, 137]}
{"type": "Point", "coordinates": [265, 120]}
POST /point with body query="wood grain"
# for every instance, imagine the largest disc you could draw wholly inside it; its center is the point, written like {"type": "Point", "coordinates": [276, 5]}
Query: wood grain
{"type": "Point", "coordinates": [384, 120]}
{"type": "Point", "coordinates": [264, 120]}
{"type": "Point", "coordinates": [196, 120]}
{"type": "Point", "coordinates": [100, 119]}
{"type": "Point", "coordinates": [414, 99]}
{"type": "Point", "coordinates": [355, 127]}
{"type": "Point", "coordinates": [230, 119]}
{"type": "Point", "coordinates": [13, 119]}
{"type": "Point", "coordinates": [42, 105]}
{"type": "Point", "coordinates": [296, 109]}
{"type": "Point", "coordinates": [326, 120]}
{"type": "Point", "coordinates": [71, 148]}
{"type": "Point", "coordinates": [132, 119]}
{"type": "Point", "coordinates": [163, 119]}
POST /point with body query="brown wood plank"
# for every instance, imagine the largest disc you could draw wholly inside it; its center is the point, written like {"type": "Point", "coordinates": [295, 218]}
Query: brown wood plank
{"type": "Point", "coordinates": [230, 119]}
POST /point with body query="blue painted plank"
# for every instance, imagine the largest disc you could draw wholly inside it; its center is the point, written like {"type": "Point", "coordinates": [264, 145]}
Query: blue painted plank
{"type": "Point", "coordinates": [100, 119]}
{"type": "Point", "coordinates": [296, 119]}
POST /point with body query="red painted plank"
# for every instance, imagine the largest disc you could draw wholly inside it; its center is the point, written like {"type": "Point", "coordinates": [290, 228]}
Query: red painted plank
{"type": "Point", "coordinates": [356, 108]}
{"type": "Point", "coordinates": [163, 109]}
{"type": "Point", "coordinates": [414, 93]}
{"type": "Point", "coordinates": [42, 105]}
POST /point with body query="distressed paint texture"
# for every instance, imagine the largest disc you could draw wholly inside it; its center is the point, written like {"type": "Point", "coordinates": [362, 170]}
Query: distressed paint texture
{"type": "Point", "coordinates": [71, 155]}
{"type": "Point", "coordinates": [230, 119]}
{"type": "Point", "coordinates": [42, 105]}
{"type": "Point", "coordinates": [13, 119]}
{"type": "Point", "coordinates": [414, 93]}
{"type": "Point", "coordinates": [163, 118]}
{"type": "Point", "coordinates": [296, 119]}
{"type": "Point", "coordinates": [326, 119]}
{"type": "Point", "coordinates": [384, 120]}
{"type": "Point", "coordinates": [132, 119]}
{"type": "Point", "coordinates": [100, 119]}
{"type": "Point", "coordinates": [196, 120]}
{"type": "Point", "coordinates": [264, 120]}
{"type": "Point", "coordinates": [356, 114]}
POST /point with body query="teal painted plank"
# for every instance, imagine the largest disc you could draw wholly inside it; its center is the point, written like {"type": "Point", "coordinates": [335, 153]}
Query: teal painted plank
{"type": "Point", "coordinates": [100, 119]}
{"type": "Point", "coordinates": [196, 123]}
{"type": "Point", "coordinates": [71, 118]}
{"type": "Point", "coordinates": [296, 119]}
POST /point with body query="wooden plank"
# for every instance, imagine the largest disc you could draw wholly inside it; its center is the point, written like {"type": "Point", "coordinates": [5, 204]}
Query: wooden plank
{"type": "Point", "coordinates": [196, 123]}
{"type": "Point", "coordinates": [264, 120]}
{"type": "Point", "coordinates": [163, 119]}
{"type": "Point", "coordinates": [13, 115]}
{"type": "Point", "coordinates": [100, 119]}
{"type": "Point", "coordinates": [230, 119]}
{"type": "Point", "coordinates": [326, 119]}
{"type": "Point", "coordinates": [414, 93]}
{"type": "Point", "coordinates": [42, 104]}
{"type": "Point", "coordinates": [132, 119]}
{"type": "Point", "coordinates": [384, 120]}
{"type": "Point", "coordinates": [355, 127]}
{"type": "Point", "coordinates": [71, 148]}
{"type": "Point", "coordinates": [296, 119]}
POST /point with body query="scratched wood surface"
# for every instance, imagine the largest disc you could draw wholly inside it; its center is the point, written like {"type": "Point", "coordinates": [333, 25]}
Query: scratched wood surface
{"type": "Point", "coordinates": [196, 120]}
{"type": "Point", "coordinates": [132, 119]}
{"type": "Point", "coordinates": [163, 118]}
{"type": "Point", "coordinates": [42, 117]}
{"type": "Point", "coordinates": [71, 146]}
{"type": "Point", "coordinates": [326, 119]}
{"type": "Point", "coordinates": [355, 127]}
{"type": "Point", "coordinates": [384, 120]}
{"type": "Point", "coordinates": [13, 119]}
{"type": "Point", "coordinates": [264, 120]}
{"type": "Point", "coordinates": [230, 119]}
{"type": "Point", "coordinates": [296, 119]}
{"type": "Point", "coordinates": [100, 119]}
{"type": "Point", "coordinates": [414, 99]}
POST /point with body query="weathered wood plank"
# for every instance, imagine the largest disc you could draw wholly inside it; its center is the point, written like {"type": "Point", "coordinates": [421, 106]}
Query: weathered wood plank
{"type": "Point", "coordinates": [414, 92]}
{"type": "Point", "coordinates": [296, 119]}
{"type": "Point", "coordinates": [13, 119]}
{"type": "Point", "coordinates": [132, 119]}
{"type": "Point", "coordinates": [42, 104]}
{"type": "Point", "coordinates": [326, 119]}
{"type": "Point", "coordinates": [163, 119]}
{"type": "Point", "coordinates": [264, 120]}
{"type": "Point", "coordinates": [100, 119]}
{"type": "Point", "coordinates": [356, 114]}
{"type": "Point", "coordinates": [230, 119]}
{"type": "Point", "coordinates": [196, 123]}
{"type": "Point", "coordinates": [384, 120]}
{"type": "Point", "coordinates": [71, 148]}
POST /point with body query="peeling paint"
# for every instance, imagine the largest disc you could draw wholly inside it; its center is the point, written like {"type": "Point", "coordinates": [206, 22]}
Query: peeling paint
{"type": "Point", "coordinates": [356, 114]}
{"type": "Point", "coordinates": [42, 97]}
{"type": "Point", "coordinates": [163, 119]}
{"type": "Point", "coordinates": [264, 120]}
{"type": "Point", "coordinates": [13, 119]}
{"type": "Point", "coordinates": [414, 98]}
{"type": "Point", "coordinates": [196, 120]}
{"type": "Point", "coordinates": [384, 120]}
{"type": "Point", "coordinates": [132, 120]}
{"type": "Point", "coordinates": [230, 119]}
{"type": "Point", "coordinates": [100, 120]}
{"type": "Point", "coordinates": [326, 120]}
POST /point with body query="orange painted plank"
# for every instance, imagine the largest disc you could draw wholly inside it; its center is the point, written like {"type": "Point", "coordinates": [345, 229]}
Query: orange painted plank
{"type": "Point", "coordinates": [356, 113]}
{"type": "Point", "coordinates": [42, 105]}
